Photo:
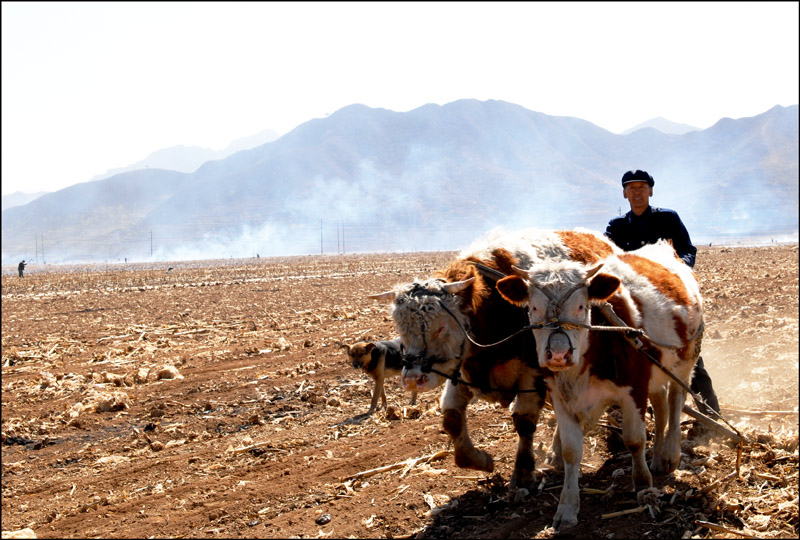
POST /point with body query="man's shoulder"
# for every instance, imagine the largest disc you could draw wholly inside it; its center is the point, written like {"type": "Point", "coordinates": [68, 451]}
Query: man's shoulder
{"type": "Point", "coordinates": [619, 220]}
{"type": "Point", "coordinates": [665, 211]}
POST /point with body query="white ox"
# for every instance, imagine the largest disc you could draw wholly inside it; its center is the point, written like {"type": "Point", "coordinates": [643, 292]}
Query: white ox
{"type": "Point", "coordinates": [587, 370]}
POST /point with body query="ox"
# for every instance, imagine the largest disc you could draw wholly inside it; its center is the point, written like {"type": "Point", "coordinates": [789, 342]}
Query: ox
{"type": "Point", "coordinates": [433, 317]}
{"type": "Point", "coordinates": [587, 370]}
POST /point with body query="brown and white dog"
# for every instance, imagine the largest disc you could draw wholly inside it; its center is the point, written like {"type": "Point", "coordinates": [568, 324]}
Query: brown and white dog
{"type": "Point", "coordinates": [378, 359]}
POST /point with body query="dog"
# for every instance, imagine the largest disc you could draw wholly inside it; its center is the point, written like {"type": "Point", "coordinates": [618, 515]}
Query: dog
{"type": "Point", "coordinates": [378, 359]}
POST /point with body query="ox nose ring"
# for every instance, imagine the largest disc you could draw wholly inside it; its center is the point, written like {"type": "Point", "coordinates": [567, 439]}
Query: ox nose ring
{"type": "Point", "coordinates": [559, 341]}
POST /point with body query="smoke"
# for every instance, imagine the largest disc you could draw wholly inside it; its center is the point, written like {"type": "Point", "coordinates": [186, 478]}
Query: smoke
{"type": "Point", "coordinates": [435, 183]}
{"type": "Point", "coordinates": [425, 207]}
{"type": "Point", "coordinates": [745, 204]}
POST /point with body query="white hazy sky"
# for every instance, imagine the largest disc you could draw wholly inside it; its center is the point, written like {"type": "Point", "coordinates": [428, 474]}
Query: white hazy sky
{"type": "Point", "coordinates": [88, 87]}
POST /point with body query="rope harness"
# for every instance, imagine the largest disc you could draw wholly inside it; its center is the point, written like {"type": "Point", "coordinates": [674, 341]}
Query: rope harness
{"type": "Point", "coordinates": [632, 336]}
{"type": "Point", "coordinates": [426, 362]}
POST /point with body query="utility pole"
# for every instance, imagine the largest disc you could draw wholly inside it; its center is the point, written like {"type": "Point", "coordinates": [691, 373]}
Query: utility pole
{"type": "Point", "coordinates": [342, 238]}
{"type": "Point", "coordinates": [151, 244]}
{"type": "Point", "coordinates": [36, 239]}
{"type": "Point", "coordinates": [320, 237]}
{"type": "Point", "coordinates": [42, 248]}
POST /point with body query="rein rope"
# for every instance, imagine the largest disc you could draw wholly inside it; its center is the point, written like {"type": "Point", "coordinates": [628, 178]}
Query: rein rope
{"type": "Point", "coordinates": [632, 335]}
{"type": "Point", "coordinates": [552, 324]}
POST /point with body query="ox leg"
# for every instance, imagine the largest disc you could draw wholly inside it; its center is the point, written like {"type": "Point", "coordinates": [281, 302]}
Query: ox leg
{"type": "Point", "coordinates": [571, 442]}
{"type": "Point", "coordinates": [526, 416]}
{"type": "Point", "coordinates": [634, 434]}
{"type": "Point", "coordinates": [554, 457]}
{"type": "Point", "coordinates": [658, 400]}
{"type": "Point", "coordinates": [670, 458]}
{"type": "Point", "coordinates": [454, 403]}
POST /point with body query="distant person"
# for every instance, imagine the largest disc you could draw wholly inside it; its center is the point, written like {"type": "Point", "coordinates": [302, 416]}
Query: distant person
{"type": "Point", "coordinates": [645, 224]}
{"type": "Point", "coordinates": [21, 267]}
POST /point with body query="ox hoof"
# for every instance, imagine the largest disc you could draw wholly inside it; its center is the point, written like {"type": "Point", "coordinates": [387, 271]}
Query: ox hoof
{"type": "Point", "coordinates": [478, 460]}
{"type": "Point", "coordinates": [566, 518]}
{"type": "Point", "coordinates": [522, 479]}
{"type": "Point", "coordinates": [642, 481]}
{"type": "Point", "coordinates": [665, 464]}
{"type": "Point", "coordinates": [555, 461]}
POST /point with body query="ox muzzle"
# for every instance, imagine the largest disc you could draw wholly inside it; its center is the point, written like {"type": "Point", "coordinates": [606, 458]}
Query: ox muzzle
{"type": "Point", "coordinates": [417, 369]}
{"type": "Point", "coordinates": [558, 352]}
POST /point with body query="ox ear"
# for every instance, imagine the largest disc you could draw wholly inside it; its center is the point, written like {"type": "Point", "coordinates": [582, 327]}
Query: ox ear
{"type": "Point", "coordinates": [387, 296]}
{"type": "Point", "coordinates": [457, 286]}
{"type": "Point", "coordinates": [603, 286]}
{"type": "Point", "coordinates": [514, 289]}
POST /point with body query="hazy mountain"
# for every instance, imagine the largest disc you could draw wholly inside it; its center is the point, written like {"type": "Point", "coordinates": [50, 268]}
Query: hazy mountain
{"type": "Point", "coordinates": [19, 198]}
{"type": "Point", "coordinates": [188, 158]}
{"type": "Point", "coordinates": [663, 125]}
{"type": "Point", "coordinates": [433, 178]}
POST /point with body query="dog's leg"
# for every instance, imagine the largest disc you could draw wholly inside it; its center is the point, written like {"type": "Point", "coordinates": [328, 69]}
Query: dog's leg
{"type": "Point", "coordinates": [376, 394]}
{"type": "Point", "coordinates": [414, 397]}
{"type": "Point", "coordinates": [383, 396]}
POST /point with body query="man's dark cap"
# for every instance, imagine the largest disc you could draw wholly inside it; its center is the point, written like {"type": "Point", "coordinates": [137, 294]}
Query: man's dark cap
{"type": "Point", "coordinates": [637, 176]}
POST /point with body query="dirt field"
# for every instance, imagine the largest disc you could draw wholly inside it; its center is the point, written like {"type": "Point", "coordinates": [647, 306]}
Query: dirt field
{"type": "Point", "coordinates": [213, 400]}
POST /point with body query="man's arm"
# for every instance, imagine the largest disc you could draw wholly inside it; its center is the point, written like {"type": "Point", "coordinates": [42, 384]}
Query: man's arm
{"type": "Point", "coordinates": [681, 242]}
{"type": "Point", "coordinates": [613, 233]}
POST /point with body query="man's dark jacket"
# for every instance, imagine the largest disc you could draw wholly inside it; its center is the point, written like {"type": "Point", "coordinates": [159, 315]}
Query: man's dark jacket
{"type": "Point", "coordinates": [631, 232]}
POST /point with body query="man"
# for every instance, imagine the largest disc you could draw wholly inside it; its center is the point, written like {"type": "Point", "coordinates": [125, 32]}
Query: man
{"type": "Point", "coordinates": [21, 267]}
{"type": "Point", "coordinates": [645, 224]}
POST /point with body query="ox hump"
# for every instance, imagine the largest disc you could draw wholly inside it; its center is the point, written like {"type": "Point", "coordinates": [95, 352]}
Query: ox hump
{"type": "Point", "coordinates": [585, 246]}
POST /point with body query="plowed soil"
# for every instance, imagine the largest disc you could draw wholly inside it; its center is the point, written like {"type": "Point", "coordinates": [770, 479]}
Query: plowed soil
{"type": "Point", "coordinates": [212, 399]}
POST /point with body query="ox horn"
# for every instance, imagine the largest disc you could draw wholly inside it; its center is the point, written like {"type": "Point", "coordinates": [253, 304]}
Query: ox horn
{"type": "Point", "coordinates": [592, 271]}
{"type": "Point", "coordinates": [517, 271]}
{"type": "Point", "coordinates": [387, 296]}
{"type": "Point", "coordinates": [457, 286]}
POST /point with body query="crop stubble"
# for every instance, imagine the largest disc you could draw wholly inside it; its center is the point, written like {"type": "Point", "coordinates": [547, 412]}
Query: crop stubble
{"type": "Point", "coordinates": [213, 400]}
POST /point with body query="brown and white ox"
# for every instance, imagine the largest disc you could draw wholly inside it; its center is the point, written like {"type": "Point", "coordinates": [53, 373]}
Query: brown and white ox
{"type": "Point", "coordinates": [587, 370]}
{"type": "Point", "coordinates": [432, 316]}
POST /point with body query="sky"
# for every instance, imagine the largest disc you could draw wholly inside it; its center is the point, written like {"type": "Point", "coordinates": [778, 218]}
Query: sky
{"type": "Point", "coordinates": [92, 86]}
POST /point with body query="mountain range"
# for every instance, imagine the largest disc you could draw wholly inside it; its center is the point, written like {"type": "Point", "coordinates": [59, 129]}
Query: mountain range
{"type": "Point", "coordinates": [19, 198]}
{"type": "Point", "coordinates": [175, 158]}
{"type": "Point", "coordinates": [663, 125]}
{"type": "Point", "coordinates": [373, 180]}
{"type": "Point", "coordinates": [189, 158]}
